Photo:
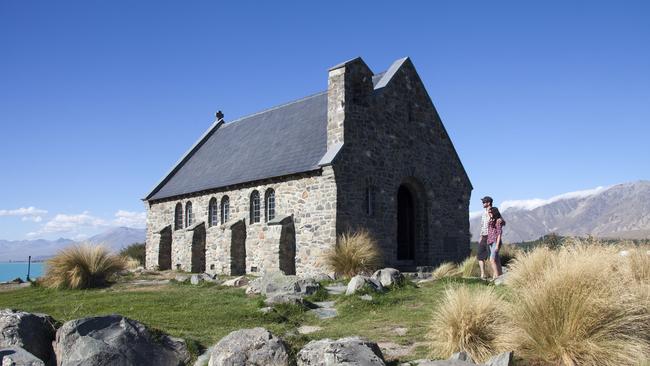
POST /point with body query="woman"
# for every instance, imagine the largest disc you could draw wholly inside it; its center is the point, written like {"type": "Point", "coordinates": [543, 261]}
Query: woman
{"type": "Point", "coordinates": [494, 240]}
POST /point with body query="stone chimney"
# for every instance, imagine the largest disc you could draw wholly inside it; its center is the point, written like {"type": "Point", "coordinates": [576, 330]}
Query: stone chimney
{"type": "Point", "coordinates": [348, 88]}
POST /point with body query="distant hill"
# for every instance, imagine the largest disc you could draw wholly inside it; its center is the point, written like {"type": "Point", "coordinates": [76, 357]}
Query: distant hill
{"type": "Point", "coordinates": [620, 211]}
{"type": "Point", "coordinates": [40, 249]}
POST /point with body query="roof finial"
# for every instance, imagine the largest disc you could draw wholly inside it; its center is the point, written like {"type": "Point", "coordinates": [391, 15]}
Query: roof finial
{"type": "Point", "coordinates": [219, 116]}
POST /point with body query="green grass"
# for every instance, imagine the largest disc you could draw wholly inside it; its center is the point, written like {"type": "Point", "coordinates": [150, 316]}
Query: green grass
{"type": "Point", "coordinates": [203, 314]}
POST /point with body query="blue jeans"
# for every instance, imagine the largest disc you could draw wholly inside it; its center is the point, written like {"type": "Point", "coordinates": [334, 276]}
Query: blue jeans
{"type": "Point", "coordinates": [494, 253]}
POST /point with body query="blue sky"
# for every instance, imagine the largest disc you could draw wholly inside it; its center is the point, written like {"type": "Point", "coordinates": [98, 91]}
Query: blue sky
{"type": "Point", "coordinates": [98, 99]}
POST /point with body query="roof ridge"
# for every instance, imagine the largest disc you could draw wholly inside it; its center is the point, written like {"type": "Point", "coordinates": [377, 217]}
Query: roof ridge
{"type": "Point", "coordinates": [273, 108]}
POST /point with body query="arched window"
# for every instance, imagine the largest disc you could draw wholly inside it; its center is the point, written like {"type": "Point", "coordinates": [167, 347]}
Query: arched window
{"type": "Point", "coordinates": [225, 209]}
{"type": "Point", "coordinates": [178, 217]}
{"type": "Point", "coordinates": [212, 212]}
{"type": "Point", "coordinates": [189, 216]}
{"type": "Point", "coordinates": [269, 205]}
{"type": "Point", "coordinates": [255, 207]}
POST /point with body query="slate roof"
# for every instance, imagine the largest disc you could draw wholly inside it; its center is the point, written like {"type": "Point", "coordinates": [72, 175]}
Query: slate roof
{"type": "Point", "coordinates": [287, 139]}
{"type": "Point", "coordinates": [284, 140]}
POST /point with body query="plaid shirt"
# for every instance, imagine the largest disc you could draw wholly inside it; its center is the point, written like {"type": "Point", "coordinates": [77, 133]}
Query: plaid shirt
{"type": "Point", "coordinates": [494, 232]}
{"type": "Point", "coordinates": [484, 222]}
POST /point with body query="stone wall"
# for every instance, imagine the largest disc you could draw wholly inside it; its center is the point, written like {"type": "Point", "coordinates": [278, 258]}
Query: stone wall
{"type": "Point", "coordinates": [309, 200]}
{"type": "Point", "coordinates": [393, 136]}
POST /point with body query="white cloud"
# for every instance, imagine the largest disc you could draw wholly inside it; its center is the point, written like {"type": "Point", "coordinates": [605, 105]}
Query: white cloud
{"type": "Point", "coordinates": [32, 218]}
{"type": "Point", "coordinates": [475, 214]}
{"type": "Point", "coordinates": [30, 211]}
{"type": "Point", "coordinates": [130, 219]}
{"type": "Point", "coordinates": [62, 223]}
{"type": "Point", "coordinates": [537, 202]}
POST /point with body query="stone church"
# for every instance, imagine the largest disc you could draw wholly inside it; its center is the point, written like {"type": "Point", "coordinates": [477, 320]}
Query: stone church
{"type": "Point", "coordinates": [273, 190]}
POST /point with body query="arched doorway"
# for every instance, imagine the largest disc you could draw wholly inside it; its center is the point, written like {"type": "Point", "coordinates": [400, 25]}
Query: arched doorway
{"type": "Point", "coordinates": [198, 249]}
{"type": "Point", "coordinates": [165, 249]}
{"type": "Point", "coordinates": [238, 249]}
{"type": "Point", "coordinates": [405, 224]}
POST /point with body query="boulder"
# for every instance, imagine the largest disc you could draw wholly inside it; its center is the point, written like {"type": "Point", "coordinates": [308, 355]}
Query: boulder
{"type": "Point", "coordinates": [17, 356]}
{"type": "Point", "coordinates": [236, 282]}
{"type": "Point", "coordinates": [115, 340]}
{"type": "Point", "coordinates": [194, 280]}
{"type": "Point", "coordinates": [358, 282]}
{"type": "Point", "coordinates": [388, 277]}
{"type": "Point", "coordinates": [501, 280]}
{"type": "Point", "coordinates": [278, 282]}
{"type": "Point", "coordinates": [181, 278]}
{"type": "Point", "coordinates": [350, 351]}
{"type": "Point", "coordinates": [286, 298]}
{"type": "Point", "coordinates": [245, 347]}
{"type": "Point", "coordinates": [503, 359]}
{"type": "Point", "coordinates": [32, 332]}
{"type": "Point", "coordinates": [320, 276]}
{"type": "Point", "coordinates": [462, 356]}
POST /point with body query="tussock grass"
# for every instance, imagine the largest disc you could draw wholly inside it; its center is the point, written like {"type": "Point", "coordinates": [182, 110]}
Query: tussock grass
{"type": "Point", "coordinates": [130, 263]}
{"type": "Point", "coordinates": [81, 266]}
{"type": "Point", "coordinates": [469, 267]}
{"type": "Point", "coordinates": [580, 305]}
{"type": "Point", "coordinates": [354, 253]}
{"type": "Point", "coordinates": [445, 270]}
{"type": "Point", "coordinates": [470, 320]}
{"type": "Point", "coordinates": [136, 251]}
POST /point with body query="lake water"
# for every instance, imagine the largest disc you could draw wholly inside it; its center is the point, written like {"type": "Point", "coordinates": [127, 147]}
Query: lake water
{"type": "Point", "coordinates": [9, 271]}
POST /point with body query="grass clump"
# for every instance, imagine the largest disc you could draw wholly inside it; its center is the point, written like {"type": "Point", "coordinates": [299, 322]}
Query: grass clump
{"type": "Point", "coordinates": [470, 320]}
{"type": "Point", "coordinates": [81, 266]}
{"type": "Point", "coordinates": [469, 267]}
{"type": "Point", "coordinates": [136, 251]}
{"type": "Point", "coordinates": [580, 305]}
{"type": "Point", "coordinates": [445, 270]}
{"type": "Point", "coordinates": [354, 253]}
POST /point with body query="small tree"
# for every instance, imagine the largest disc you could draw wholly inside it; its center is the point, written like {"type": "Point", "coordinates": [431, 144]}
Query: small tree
{"type": "Point", "coordinates": [552, 241]}
{"type": "Point", "coordinates": [136, 251]}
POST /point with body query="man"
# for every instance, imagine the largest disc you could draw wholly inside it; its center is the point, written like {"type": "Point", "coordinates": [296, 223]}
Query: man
{"type": "Point", "coordinates": [483, 252]}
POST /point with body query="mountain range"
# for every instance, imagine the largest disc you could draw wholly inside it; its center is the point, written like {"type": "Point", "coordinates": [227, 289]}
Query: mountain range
{"type": "Point", "coordinates": [114, 239]}
{"type": "Point", "coordinates": [620, 211]}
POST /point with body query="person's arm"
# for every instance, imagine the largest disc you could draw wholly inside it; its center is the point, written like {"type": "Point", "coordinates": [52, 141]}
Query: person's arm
{"type": "Point", "coordinates": [499, 231]}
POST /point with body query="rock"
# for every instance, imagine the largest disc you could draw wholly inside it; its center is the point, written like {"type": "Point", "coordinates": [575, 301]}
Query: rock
{"type": "Point", "coordinates": [400, 331]}
{"type": "Point", "coordinates": [442, 363]}
{"type": "Point", "coordinates": [336, 289]}
{"type": "Point", "coordinates": [115, 340]}
{"type": "Point", "coordinates": [236, 282]}
{"type": "Point", "coordinates": [245, 347]}
{"type": "Point", "coordinates": [266, 310]}
{"type": "Point", "coordinates": [358, 282]}
{"type": "Point", "coordinates": [308, 329]}
{"type": "Point", "coordinates": [195, 279]}
{"type": "Point", "coordinates": [462, 356]}
{"type": "Point", "coordinates": [501, 280]}
{"type": "Point", "coordinates": [278, 282]}
{"type": "Point", "coordinates": [388, 277]}
{"type": "Point", "coordinates": [366, 297]}
{"type": "Point", "coordinates": [181, 278]}
{"type": "Point", "coordinates": [503, 359]}
{"type": "Point", "coordinates": [285, 298]}
{"type": "Point", "coordinates": [351, 351]}
{"type": "Point", "coordinates": [17, 356]}
{"type": "Point", "coordinates": [32, 332]}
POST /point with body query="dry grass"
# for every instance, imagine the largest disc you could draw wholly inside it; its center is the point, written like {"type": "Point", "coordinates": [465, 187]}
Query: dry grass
{"type": "Point", "coordinates": [470, 320]}
{"type": "Point", "coordinates": [130, 263]}
{"type": "Point", "coordinates": [354, 253]}
{"type": "Point", "coordinates": [580, 305]}
{"type": "Point", "coordinates": [445, 270]}
{"type": "Point", "coordinates": [469, 267]}
{"type": "Point", "coordinates": [81, 266]}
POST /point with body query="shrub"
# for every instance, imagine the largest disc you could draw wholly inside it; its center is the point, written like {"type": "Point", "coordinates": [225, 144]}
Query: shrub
{"type": "Point", "coordinates": [354, 253]}
{"type": "Point", "coordinates": [136, 251]}
{"type": "Point", "coordinates": [447, 269]}
{"type": "Point", "coordinates": [469, 267]}
{"type": "Point", "coordinates": [470, 320]}
{"type": "Point", "coordinates": [527, 267]}
{"type": "Point", "coordinates": [579, 305]}
{"type": "Point", "coordinates": [81, 266]}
